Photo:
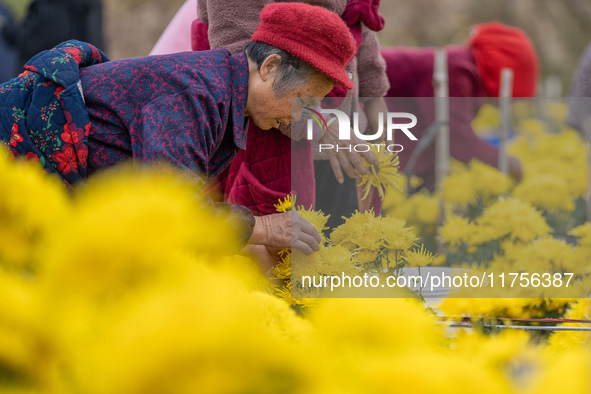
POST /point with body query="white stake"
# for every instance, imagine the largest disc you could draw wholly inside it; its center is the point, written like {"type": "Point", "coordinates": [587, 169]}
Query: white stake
{"type": "Point", "coordinates": [441, 86]}
{"type": "Point", "coordinates": [505, 94]}
{"type": "Point", "coordinates": [440, 82]}
{"type": "Point", "coordinates": [553, 87]}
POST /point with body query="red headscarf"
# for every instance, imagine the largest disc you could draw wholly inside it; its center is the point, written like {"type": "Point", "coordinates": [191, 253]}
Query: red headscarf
{"type": "Point", "coordinates": [497, 46]}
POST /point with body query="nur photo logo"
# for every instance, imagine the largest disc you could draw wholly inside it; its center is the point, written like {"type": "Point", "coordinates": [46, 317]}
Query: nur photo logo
{"type": "Point", "coordinates": [345, 126]}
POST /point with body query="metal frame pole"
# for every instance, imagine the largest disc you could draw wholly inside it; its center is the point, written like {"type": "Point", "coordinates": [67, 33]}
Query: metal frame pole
{"type": "Point", "coordinates": [505, 95]}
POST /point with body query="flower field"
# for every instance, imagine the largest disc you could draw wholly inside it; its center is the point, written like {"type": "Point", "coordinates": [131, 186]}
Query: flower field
{"type": "Point", "coordinates": [128, 286]}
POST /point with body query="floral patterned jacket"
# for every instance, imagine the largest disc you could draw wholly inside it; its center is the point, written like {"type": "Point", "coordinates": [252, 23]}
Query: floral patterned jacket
{"type": "Point", "coordinates": [42, 111]}
{"type": "Point", "coordinates": [75, 112]}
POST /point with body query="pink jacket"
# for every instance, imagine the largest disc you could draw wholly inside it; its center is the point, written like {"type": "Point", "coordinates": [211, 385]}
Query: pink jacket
{"type": "Point", "coordinates": [177, 35]}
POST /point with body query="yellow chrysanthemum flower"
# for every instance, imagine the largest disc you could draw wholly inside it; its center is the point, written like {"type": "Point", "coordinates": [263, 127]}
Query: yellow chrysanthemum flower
{"type": "Point", "coordinates": [482, 234]}
{"type": "Point", "coordinates": [476, 180]}
{"type": "Point", "coordinates": [456, 229]}
{"type": "Point", "coordinates": [383, 175]}
{"type": "Point", "coordinates": [336, 261]}
{"type": "Point", "coordinates": [562, 155]}
{"type": "Point", "coordinates": [425, 208]}
{"type": "Point", "coordinates": [400, 240]}
{"type": "Point", "coordinates": [302, 265]}
{"type": "Point", "coordinates": [562, 340]}
{"type": "Point", "coordinates": [366, 256]}
{"type": "Point", "coordinates": [316, 218]}
{"type": "Point", "coordinates": [418, 257]}
{"type": "Point", "coordinates": [514, 217]}
{"type": "Point", "coordinates": [26, 347]}
{"type": "Point", "coordinates": [488, 181]}
{"type": "Point", "coordinates": [283, 269]}
{"type": "Point", "coordinates": [244, 269]}
{"type": "Point", "coordinates": [458, 188]}
{"type": "Point", "coordinates": [286, 204]}
{"type": "Point", "coordinates": [362, 229]}
{"type": "Point", "coordinates": [125, 223]}
{"type": "Point", "coordinates": [545, 191]}
{"type": "Point", "coordinates": [32, 205]}
{"type": "Point", "coordinates": [487, 119]}
{"type": "Point", "coordinates": [582, 233]}
{"type": "Point", "coordinates": [135, 296]}
{"type": "Point", "coordinates": [485, 307]}
{"type": "Point", "coordinates": [285, 293]}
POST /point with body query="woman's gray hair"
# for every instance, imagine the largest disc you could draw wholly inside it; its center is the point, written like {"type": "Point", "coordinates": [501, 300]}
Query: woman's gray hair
{"type": "Point", "coordinates": [292, 73]}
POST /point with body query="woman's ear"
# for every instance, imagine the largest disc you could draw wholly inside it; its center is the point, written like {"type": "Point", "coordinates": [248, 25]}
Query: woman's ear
{"type": "Point", "coordinates": [269, 67]}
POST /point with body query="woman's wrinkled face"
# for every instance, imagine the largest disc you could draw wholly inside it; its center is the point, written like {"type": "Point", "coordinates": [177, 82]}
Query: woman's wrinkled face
{"type": "Point", "coordinates": [267, 110]}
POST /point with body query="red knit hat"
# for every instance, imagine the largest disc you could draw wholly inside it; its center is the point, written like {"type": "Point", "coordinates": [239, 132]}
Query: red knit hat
{"type": "Point", "coordinates": [497, 46]}
{"type": "Point", "coordinates": [312, 34]}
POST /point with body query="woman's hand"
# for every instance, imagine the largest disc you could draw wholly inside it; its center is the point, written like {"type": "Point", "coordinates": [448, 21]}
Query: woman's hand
{"type": "Point", "coordinates": [515, 170]}
{"type": "Point", "coordinates": [350, 161]}
{"type": "Point", "coordinates": [285, 230]}
{"type": "Point", "coordinates": [266, 258]}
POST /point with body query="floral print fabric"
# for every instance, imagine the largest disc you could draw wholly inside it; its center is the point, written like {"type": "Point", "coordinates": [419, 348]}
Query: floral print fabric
{"type": "Point", "coordinates": [73, 119]}
{"type": "Point", "coordinates": [42, 113]}
{"type": "Point", "coordinates": [186, 109]}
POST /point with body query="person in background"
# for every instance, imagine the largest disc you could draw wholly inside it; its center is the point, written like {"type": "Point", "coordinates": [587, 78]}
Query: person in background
{"type": "Point", "coordinates": [263, 173]}
{"type": "Point", "coordinates": [474, 72]}
{"type": "Point", "coordinates": [51, 22]}
{"type": "Point", "coordinates": [579, 101]}
{"type": "Point", "coordinates": [47, 23]}
{"type": "Point", "coordinates": [8, 51]}
{"type": "Point", "coordinates": [74, 112]}
{"type": "Point", "coordinates": [177, 35]}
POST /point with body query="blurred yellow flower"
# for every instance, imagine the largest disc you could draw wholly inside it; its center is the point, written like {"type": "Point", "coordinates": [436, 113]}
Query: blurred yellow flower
{"type": "Point", "coordinates": [32, 205]}
{"type": "Point", "coordinates": [563, 340]}
{"type": "Point", "coordinates": [549, 192]}
{"type": "Point", "coordinates": [27, 351]}
{"type": "Point", "coordinates": [141, 296]}
{"type": "Point", "coordinates": [456, 229]}
{"type": "Point", "coordinates": [476, 180]}
{"type": "Point", "coordinates": [582, 233]}
{"type": "Point", "coordinates": [418, 209]}
{"type": "Point", "coordinates": [514, 217]}
{"type": "Point", "coordinates": [488, 181]}
{"type": "Point", "coordinates": [374, 326]}
{"type": "Point", "coordinates": [125, 223]}
{"type": "Point", "coordinates": [285, 293]}
{"type": "Point", "coordinates": [458, 188]}
{"type": "Point", "coordinates": [486, 119]}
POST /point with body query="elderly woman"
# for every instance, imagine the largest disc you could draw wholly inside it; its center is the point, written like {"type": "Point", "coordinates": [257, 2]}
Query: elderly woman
{"type": "Point", "coordinates": [474, 73]}
{"type": "Point", "coordinates": [263, 172]}
{"type": "Point", "coordinates": [579, 104]}
{"type": "Point", "coordinates": [76, 113]}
